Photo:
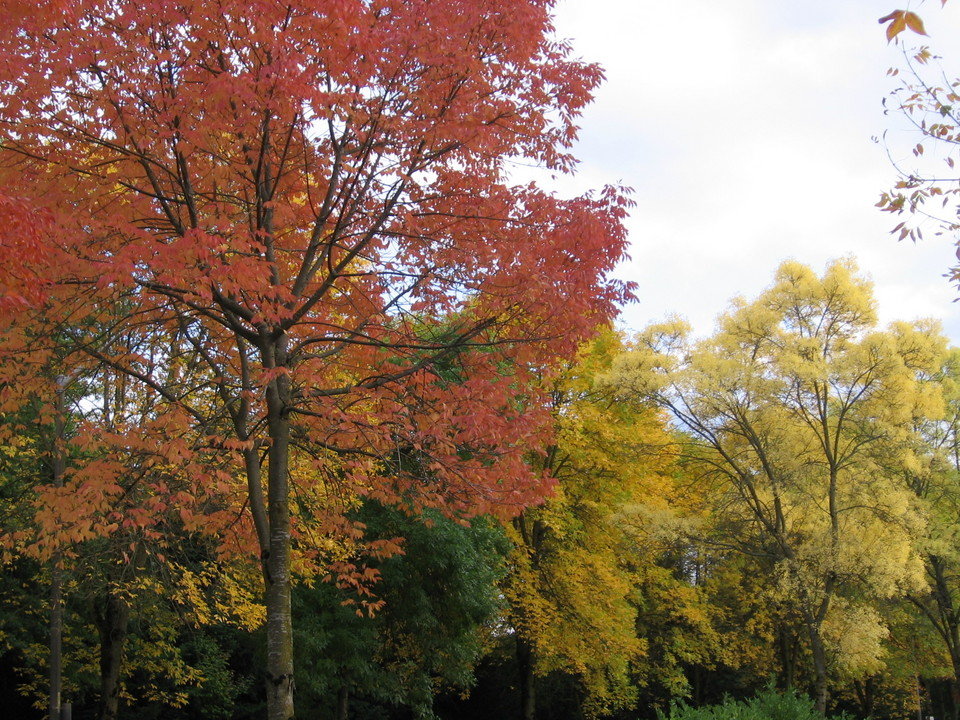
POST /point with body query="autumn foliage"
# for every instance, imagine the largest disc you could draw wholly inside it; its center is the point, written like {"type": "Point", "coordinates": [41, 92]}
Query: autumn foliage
{"type": "Point", "coordinates": [286, 348]}
{"type": "Point", "coordinates": [307, 206]}
{"type": "Point", "coordinates": [328, 177]}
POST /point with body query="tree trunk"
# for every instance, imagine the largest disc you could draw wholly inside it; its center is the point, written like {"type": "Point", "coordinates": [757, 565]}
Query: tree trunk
{"type": "Point", "coordinates": [865, 695]}
{"type": "Point", "coordinates": [56, 638]}
{"type": "Point", "coordinates": [787, 652]}
{"type": "Point", "coordinates": [528, 694]}
{"type": "Point", "coordinates": [819, 668]}
{"type": "Point", "coordinates": [343, 702]}
{"type": "Point", "coordinates": [57, 469]}
{"type": "Point", "coordinates": [919, 699]}
{"type": "Point", "coordinates": [697, 684]}
{"type": "Point", "coordinates": [113, 622]}
{"type": "Point", "coordinates": [277, 561]}
{"type": "Point", "coordinates": [947, 622]}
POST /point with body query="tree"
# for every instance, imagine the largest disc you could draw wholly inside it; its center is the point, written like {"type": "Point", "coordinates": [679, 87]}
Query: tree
{"type": "Point", "coordinates": [124, 506]}
{"type": "Point", "coordinates": [932, 472]}
{"type": "Point", "coordinates": [926, 190]}
{"type": "Point", "coordinates": [291, 191]}
{"type": "Point", "coordinates": [574, 567]}
{"type": "Point", "coordinates": [794, 406]}
{"type": "Point", "coordinates": [702, 611]}
{"type": "Point", "coordinates": [24, 225]}
{"type": "Point", "coordinates": [97, 514]}
{"type": "Point", "coordinates": [440, 599]}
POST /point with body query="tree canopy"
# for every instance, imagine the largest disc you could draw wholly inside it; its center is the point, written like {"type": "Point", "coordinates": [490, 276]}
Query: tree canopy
{"type": "Point", "coordinates": [285, 197]}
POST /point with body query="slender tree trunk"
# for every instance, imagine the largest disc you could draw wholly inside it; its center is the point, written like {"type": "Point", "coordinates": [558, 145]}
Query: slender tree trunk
{"type": "Point", "coordinates": [343, 702]}
{"type": "Point", "coordinates": [56, 638]}
{"type": "Point", "coordinates": [57, 469]}
{"type": "Point", "coordinates": [528, 693]}
{"type": "Point", "coordinates": [277, 562]}
{"type": "Point", "coordinates": [919, 699]}
{"type": "Point", "coordinates": [866, 695]}
{"type": "Point", "coordinates": [819, 668]}
{"type": "Point", "coordinates": [947, 622]}
{"type": "Point", "coordinates": [697, 682]}
{"type": "Point", "coordinates": [113, 622]}
{"type": "Point", "coordinates": [947, 611]}
{"type": "Point", "coordinates": [787, 652]}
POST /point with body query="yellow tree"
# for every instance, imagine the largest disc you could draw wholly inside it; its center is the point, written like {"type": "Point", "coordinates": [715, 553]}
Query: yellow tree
{"type": "Point", "coordinates": [792, 407]}
{"type": "Point", "coordinates": [932, 472]}
{"type": "Point", "coordinates": [571, 584]}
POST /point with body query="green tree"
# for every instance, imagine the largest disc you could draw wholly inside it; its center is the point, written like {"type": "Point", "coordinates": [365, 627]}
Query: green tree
{"type": "Point", "coordinates": [439, 602]}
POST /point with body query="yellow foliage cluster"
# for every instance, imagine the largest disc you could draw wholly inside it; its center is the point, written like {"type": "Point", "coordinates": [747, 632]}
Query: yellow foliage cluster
{"type": "Point", "coordinates": [801, 417]}
{"type": "Point", "coordinates": [575, 566]}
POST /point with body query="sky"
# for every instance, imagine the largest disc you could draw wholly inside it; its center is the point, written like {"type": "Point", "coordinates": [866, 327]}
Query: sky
{"type": "Point", "coordinates": [746, 129]}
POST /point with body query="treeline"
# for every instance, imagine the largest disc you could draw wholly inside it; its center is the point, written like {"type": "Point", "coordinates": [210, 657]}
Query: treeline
{"type": "Point", "coordinates": [776, 504]}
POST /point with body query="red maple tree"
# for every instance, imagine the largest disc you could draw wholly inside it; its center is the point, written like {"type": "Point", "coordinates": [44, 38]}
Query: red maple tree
{"type": "Point", "coordinates": [310, 203]}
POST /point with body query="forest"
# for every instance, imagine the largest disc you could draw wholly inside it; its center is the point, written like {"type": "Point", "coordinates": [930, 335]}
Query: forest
{"type": "Point", "coordinates": [309, 408]}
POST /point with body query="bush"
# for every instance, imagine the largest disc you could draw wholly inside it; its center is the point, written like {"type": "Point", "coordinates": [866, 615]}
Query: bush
{"type": "Point", "coordinates": [767, 705]}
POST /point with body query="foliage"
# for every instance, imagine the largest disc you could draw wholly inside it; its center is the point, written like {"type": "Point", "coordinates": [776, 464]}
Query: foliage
{"type": "Point", "coordinates": [794, 408]}
{"type": "Point", "coordinates": [439, 602]}
{"type": "Point", "coordinates": [117, 540]}
{"type": "Point", "coordinates": [925, 193]}
{"type": "Point", "coordinates": [608, 465]}
{"type": "Point", "coordinates": [272, 198]}
{"type": "Point", "coordinates": [901, 20]}
{"type": "Point", "coordinates": [283, 339]}
{"type": "Point", "coordinates": [697, 623]}
{"type": "Point", "coordinates": [932, 473]}
{"type": "Point", "coordinates": [767, 705]}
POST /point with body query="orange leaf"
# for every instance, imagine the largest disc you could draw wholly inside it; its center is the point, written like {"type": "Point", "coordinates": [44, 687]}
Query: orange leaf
{"type": "Point", "coordinates": [900, 20]}
{"type": "Point", "coordinates": [914, 22]}
{"type": "Point", "coordinates": [898, 25]}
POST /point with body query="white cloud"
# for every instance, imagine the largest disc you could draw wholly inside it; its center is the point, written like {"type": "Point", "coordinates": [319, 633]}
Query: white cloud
{"type": "Point", "coordinates": [745, 127]}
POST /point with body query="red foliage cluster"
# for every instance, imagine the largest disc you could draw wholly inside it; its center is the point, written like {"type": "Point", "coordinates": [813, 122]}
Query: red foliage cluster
{"type": "Point", "coordinates": [305, 209]}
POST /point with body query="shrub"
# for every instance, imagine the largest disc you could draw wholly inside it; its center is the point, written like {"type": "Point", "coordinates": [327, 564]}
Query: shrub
{"type": "Point", "coordinates": [766, 705]}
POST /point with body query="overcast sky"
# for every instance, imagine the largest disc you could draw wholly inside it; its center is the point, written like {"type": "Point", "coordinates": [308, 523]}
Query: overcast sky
{"type": "Point", "coordinates": [745, 129]}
